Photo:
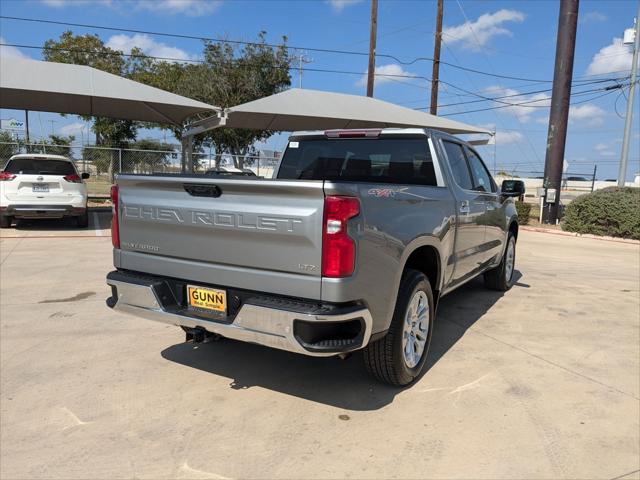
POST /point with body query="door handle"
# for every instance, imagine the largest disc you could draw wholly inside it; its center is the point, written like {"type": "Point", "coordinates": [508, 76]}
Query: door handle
{"type": "Point", "coordinates": [464, 207]}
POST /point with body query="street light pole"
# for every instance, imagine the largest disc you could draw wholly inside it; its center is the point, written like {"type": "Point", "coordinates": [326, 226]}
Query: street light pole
{"type": "Point", "coordinates": [624, 157]}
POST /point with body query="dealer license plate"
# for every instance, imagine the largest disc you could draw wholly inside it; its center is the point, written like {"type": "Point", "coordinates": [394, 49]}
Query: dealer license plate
{"type": "Point", "coordinates": [40, 187]}
{"type": "Point", "coordinates": [207, 298]}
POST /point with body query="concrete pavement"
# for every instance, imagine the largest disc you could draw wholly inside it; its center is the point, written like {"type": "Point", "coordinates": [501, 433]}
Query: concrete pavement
{"type": "Point", "coordinates": [541, 382]}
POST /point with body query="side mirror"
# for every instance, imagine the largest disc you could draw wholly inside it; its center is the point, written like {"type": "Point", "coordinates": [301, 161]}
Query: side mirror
{"type": "Point", "coordinates": [512, 188]}
{"type": "Point", "coordinates": [84, 175]}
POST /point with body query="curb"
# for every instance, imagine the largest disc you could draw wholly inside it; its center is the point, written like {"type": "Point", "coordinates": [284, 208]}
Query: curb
{"type": "Point", "coordinates": [580, 235]}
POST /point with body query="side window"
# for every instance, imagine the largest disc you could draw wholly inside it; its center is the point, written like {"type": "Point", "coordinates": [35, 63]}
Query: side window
{"type": "Point", "coordinates": [481, 179]}
{"type": "Point", "coordinates": [458, 164]}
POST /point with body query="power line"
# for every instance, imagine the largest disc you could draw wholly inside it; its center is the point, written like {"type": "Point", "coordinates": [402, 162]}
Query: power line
{"type": "Point", "coordinates": [271, 45]}
{"type": "Point", "coordinates": [539, 106]}
{"type": "Point", "coordinates": [319, 70]}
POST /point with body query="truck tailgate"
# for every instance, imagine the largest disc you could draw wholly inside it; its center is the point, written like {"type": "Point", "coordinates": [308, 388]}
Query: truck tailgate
{"type": "Point", "coordinates": [222, 231]}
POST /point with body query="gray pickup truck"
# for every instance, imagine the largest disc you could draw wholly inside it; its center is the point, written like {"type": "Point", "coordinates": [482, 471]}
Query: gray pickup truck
{"type": "Point", "coordinates": [349, 247]}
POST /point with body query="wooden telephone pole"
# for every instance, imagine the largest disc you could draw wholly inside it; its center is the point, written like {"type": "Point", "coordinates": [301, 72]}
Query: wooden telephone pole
{"type": "Point", "coordinates": [372, 47]}
{"type": "Point", "coordinates": [559, 115]}
{"type": "Point", "coordinates": [436, 61]}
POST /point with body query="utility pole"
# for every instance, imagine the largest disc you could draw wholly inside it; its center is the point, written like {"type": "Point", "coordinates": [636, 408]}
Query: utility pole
{"type": "Point", "coordinates": [372, 47]}
{"type": "Point", "coordinates": [302, 60]}
{"type": "Point", "coordinates": [559, 115]}
{"type": "Point", "coordinates": [436, 61]}
{"type": "Point", "coordinates": [624, 157]}
{"type": "Point", "coordinates": [26, 118]}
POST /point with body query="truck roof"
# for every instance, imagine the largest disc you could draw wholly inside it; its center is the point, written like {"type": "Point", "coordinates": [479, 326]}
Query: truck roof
{"type": "Point", "coordinates": [383, 131]}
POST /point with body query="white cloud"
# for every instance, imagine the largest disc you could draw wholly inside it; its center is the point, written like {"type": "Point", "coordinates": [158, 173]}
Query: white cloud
{"type": "Point", "coordinates": [502, 137]}
{"type": "Point", "coordinates": [604, 150]}
{"type": "Point", "coordinates": [148, 45]}
{"type": "Point", "coordinates": [191, 8]}
{"type": "Point", "coordinates": [612, 58]}
{"type": "Point", "coordinates": [11, 52]}
{"type": "Point", "coordinates": [593, 17]}
{"type": "Point", "coordinates": [477, 34]}
{"type": "Point", "coordinates": [592, 114]}
{"type": "Point", "coordinates": [524, 105]}
{"type": "Point", "coordinates": [392, 70]}
{"type": "Point", "coordinates": [74, 129]}
{"type": "Point", "coordinates": [74, 3]}
{"type": "Point", "coordinates": [339, 5]}
{"type": "Point", "coordinates": [506, 138]}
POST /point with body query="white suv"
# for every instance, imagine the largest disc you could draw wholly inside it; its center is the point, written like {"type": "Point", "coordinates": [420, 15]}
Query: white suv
{"type": "Point", "coordinates": [42, 186]}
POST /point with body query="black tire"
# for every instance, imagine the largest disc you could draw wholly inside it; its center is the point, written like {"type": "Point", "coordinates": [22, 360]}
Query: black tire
{"type": "Point", "coordinates": [496, 278]}
{"type": "Point", "coordinates": [82, 221]}
{"type": "Point", "coordinates": [384, 358]}
{"type": "Point", "coordinates": [6, 221]}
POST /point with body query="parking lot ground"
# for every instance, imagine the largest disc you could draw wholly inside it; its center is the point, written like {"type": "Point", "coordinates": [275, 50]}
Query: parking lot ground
{"type": "Point", "coordinates": [541, 382]}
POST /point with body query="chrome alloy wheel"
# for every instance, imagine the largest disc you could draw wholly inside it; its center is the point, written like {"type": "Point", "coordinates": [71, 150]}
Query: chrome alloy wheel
{"type": "Point", "coordinates": [416, 329]}
{"type": "Point", "coordinates": [510, 259]}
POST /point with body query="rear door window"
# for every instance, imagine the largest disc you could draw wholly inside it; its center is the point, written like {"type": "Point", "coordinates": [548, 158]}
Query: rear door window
{"type": "Point", "coordinates": [458, 164]}
{"type": "Point", "coordinates": [481, 178]}
{"type": "Point", "coordinates": [32, 166]}
{"type": "Point", "coordinates": [381, 160]}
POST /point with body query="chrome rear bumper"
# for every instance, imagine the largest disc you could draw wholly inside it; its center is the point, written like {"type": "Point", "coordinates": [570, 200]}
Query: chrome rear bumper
{"type": "Point", "coordinates": [272, 327]}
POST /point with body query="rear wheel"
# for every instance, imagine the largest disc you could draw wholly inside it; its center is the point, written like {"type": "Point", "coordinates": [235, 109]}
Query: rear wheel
{"type": "Point", "coordinates": [501, 277]}
{"type": "Point", "coordinates": [82, 221]}
{"type": "Point", "coordinates": [5, 221]}
{"type": "Point", "coordinates": [399, 357]}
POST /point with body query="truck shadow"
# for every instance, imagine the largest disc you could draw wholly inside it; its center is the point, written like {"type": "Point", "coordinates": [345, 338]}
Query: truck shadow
{"type": "Point", "coordinates": [340, 383]}
{"type": "Point", "coordinates": [67, 224]}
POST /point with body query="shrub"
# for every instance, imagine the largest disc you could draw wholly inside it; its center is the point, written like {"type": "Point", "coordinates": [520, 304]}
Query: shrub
{"type": "Point", "coordinates": [524, 209]}
{"type": "Point", "coordinates": [611, 211]}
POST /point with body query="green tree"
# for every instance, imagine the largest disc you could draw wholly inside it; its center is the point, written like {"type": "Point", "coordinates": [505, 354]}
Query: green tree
{"type": "Point", "coordinates": [59, 145]}
{"type": "Point", "coordinates": [230, 76]}
{"type": "Point", "coordinates": [148, 156]}
{"type": "Point", "coordinates": [8, 147]}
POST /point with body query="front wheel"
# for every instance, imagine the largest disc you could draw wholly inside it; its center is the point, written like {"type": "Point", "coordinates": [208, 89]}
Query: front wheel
{"type": "Point", "coordinates": [501, 278]}
{"type": "Point", "coordinates": [82, 221]}
{"type": "Point", "coordinates": [399, 357]}
{"type": "Point", "coordinates": [5, 221]}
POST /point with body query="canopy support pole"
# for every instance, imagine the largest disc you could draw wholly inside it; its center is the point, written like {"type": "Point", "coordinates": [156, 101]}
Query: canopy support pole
{"type": "Point", "coordinates": [210, 123]}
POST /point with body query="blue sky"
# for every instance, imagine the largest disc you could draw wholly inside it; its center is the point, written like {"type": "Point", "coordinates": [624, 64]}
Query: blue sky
{"type": "Point", "coordinates": [511, 38]}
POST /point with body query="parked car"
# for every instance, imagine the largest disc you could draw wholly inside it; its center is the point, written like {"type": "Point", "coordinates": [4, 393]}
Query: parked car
{"type": "Point", "coordinates": [350, 247]}
{"type": "Point", "coordinates": [42, 186]}
{"type": "Point", "coordinates": [577, 179]}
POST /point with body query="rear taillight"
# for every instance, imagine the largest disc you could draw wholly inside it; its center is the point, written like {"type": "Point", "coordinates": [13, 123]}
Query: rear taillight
{"type": "Point", "coordinates": [72, 178]}
{"type": "Point", "coordinates": [338, 248]}
{"type": "Point", "coordinates": [6, 176]}
{"type": "Point", "coordinates": [115, 230]}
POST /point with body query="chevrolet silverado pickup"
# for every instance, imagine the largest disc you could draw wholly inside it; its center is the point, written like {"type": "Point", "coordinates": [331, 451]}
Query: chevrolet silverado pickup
{"type": "Point", "coordinates": [350, 246]}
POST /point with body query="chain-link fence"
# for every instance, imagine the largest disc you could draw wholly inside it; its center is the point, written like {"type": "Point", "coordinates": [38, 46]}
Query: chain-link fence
{"type": "Point", "coordinates": [103, 163]}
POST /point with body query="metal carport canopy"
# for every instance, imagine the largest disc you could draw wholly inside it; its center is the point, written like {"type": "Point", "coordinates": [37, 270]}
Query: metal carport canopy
{"type": "Point", "coordinates": [82, 90]}
{"type": "Point", "coordinates": [301, 109]}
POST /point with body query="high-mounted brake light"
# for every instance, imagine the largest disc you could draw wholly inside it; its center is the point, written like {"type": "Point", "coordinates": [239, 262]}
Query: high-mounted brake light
{"type": "Point", "coordinates": [366, 132]}
{"type": "Point", "coordinates": [6, 176]}
{"type": "Point", "coordinates": [338, 248]}
{"type": "Point", "coordinates": [115, 228]}
{"type": "Point", "coordinates": [73, 178]}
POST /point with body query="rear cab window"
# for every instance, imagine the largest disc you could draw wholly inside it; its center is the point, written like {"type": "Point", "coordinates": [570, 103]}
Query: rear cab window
{"type": "Point", "coordinates": [458, 164]}
{"type": "Point", "coordinates": [393, 160]}
{"type": "Point", "coordinates": [34, 166]}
